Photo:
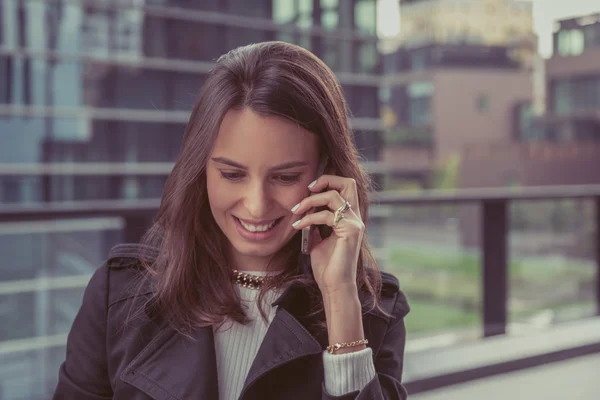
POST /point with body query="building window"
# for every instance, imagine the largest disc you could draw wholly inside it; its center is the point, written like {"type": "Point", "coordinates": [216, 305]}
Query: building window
{"type": "Point", "coordinates": [251, 8]}
{"type": "Point", "coordinates": [482, 103]}
{"type": "Point", "coordinates": [2, 24]}
{"type": "Point", "coordinates": [419, 103]}
{"type": "Point", "coordinates": [572, 95]}
{"type": "Point", "coordinates": [299, 13]}
{"type": "Point", "coordinates": [591, 35]}
{"type": "Point", "coordinates": [365, 16]}
{"type": "Point", "coordinates": [560, 97]}
{"type": "Point", "coordinates": [368, 56]}
{"type": "Point", "coordinates": [570, 42]}
{"type": "Point", "coordinates": [329, 14]}
{"type": "Point", "coordinates": [283, 13]}
{"type": "Point", "coordinates": [6, 77]}
{"type": "Point", "coordinates": [418, 60]}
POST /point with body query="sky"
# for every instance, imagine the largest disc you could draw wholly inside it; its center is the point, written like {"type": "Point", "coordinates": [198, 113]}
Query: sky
{"type": "Point", "coordinates": [545, 12]}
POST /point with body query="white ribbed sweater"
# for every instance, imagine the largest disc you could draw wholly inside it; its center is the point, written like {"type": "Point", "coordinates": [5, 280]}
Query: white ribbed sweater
{"type": "Point", "coordinates": [236, 346]}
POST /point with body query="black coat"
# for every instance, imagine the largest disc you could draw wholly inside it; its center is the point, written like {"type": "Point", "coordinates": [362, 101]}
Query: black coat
{"type": "Point", "coordinates": [144, 358]}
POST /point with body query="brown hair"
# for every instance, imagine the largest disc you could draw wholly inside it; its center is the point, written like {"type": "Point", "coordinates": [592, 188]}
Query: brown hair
{"type": "Point", "coordinates": [191, 276]}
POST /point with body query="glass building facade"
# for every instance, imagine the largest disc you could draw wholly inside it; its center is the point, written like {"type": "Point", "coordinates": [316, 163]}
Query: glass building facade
{"type": "Point", "coordinates": [94, 98]}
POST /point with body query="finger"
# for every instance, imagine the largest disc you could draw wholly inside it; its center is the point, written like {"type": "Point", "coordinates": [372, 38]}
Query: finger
{"type": "Point", "coordinates": [330, 199]}
{"type": "Point", "coordinates": [324, 217]}
{"type": "Point", "coordinates": [345, 186]}
{"type": "Point", "coordinates": [315, 238]}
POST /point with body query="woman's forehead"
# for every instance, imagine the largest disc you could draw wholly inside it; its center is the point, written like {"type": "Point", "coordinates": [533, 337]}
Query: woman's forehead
{"type": "Point", "coordinates": [244, 133]}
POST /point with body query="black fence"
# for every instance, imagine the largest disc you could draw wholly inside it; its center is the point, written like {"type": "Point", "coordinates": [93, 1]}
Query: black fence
{"type": "Point", "coordinates": [493, 203]}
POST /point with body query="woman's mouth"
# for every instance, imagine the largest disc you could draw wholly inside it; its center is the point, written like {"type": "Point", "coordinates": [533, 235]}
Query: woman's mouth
{"type": "Point", "coordinates": [257, 232]}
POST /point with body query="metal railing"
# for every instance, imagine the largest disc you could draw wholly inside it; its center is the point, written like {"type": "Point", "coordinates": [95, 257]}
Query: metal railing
{"type": "Point", "coordinates": [493, 202]}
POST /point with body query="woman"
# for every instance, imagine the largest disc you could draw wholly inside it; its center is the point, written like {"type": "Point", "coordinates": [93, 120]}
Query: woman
{"type": "Point", "coordinates": [215, 303]}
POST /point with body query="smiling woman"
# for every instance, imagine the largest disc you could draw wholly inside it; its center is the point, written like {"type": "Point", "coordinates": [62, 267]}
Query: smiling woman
{"type": "Point", "coordinates": [214, 303]}
{"type": "Point", "coordinates": [251, 197]}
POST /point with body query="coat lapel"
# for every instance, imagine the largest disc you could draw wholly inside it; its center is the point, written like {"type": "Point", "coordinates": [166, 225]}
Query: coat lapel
{"type": "Point", "coordinates": [172, 367]}
{"type": "Point", "coordinates": [286, 339]}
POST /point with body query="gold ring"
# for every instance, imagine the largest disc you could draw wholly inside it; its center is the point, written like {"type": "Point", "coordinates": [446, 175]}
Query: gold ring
{"type": "Point", "coordinates": [345, 207]}
{"type": "Point", "coordinates": [339, 214]}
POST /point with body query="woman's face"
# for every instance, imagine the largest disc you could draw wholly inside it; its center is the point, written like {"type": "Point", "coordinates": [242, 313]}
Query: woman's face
{"type": "Point", "coordinates": [258, 170]}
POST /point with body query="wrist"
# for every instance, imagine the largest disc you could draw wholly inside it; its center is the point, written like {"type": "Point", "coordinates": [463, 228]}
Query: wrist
{"type": "Point", "coordinates": [341, 299]}
{"type": "Point", "coordinates": [340, 291]}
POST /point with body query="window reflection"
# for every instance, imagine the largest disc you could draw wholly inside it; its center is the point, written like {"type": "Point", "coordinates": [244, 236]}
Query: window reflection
{"type": "Point", "coordinates": [570, 42]}
{"type": "Point", "coordinates": [577, 94]}
{"type": "Point", "coordinates": [329, 14]}
{"type": "Point", "coordinates": [367, 58]}
{"type": "Point", "coordinates": [365, 16]}
{"type": "Point", "coordinates": [299, 12]}
{"type": "Point", "coordinates": [73, 84]}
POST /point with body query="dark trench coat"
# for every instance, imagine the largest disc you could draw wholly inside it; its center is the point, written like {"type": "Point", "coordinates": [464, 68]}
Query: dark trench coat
{"type": "Point", "coordinates": [113, 356]}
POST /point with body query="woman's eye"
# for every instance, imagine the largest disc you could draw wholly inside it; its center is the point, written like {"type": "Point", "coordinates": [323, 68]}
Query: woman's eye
{"type": "Point", "coordinates": [232, 176]}
{"type": "Point", "coordinates": [288, 179]}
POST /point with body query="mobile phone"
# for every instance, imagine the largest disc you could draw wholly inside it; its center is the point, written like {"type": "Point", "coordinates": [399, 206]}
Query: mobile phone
{"type": "Point", "coordinates": [305, 245]}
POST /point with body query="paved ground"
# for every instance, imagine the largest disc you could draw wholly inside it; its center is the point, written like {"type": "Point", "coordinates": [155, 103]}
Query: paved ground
{"type": "Point", "coordinates": [575, 379]}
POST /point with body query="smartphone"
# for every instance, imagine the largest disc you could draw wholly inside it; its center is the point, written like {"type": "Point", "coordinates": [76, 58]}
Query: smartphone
{"type": "Point", "coordinates": [305, 245]}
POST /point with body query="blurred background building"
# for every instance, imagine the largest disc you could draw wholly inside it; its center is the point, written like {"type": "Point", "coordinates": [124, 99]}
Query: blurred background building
{"type": "Point", "coordinates": [95, 95]}
{"type": "Point", "coordinates": [94, 98]}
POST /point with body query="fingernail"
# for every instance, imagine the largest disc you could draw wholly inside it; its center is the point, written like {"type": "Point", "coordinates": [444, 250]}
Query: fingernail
{"type": "Point", "coordinates": [295, 207]}
{"type": "Point", "coordinates": [313, 183]}
{"type": "Point", "coordinates": [296, 223]}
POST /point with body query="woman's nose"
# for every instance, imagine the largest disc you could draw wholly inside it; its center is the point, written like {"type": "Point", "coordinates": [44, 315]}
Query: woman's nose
{"type": "Point", "coordinates": [258, 201]}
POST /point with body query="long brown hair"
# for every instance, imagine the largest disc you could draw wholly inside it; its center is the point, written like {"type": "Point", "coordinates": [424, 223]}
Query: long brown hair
{"type": "Point", "coordinates": [191, 276]}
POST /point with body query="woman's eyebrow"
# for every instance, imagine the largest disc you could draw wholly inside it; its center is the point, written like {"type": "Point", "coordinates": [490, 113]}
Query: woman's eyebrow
{"type": "Point", "coordinates": [286, 165]}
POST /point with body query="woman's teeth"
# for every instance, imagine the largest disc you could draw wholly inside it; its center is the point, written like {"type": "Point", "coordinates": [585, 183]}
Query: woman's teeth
{"type": "Point", "coordinates": [257, 228]}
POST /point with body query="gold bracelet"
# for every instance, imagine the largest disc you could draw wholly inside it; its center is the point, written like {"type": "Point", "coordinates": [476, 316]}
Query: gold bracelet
{"type": "Point", "coordinates": [332, 348]}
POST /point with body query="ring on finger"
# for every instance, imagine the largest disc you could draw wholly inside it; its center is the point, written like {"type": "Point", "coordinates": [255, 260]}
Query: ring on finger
{"type": "Point", "coordinates": [339, 214]}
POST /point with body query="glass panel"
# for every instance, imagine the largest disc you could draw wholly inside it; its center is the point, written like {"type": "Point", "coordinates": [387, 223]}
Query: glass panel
{"type": "Point", "coordinates": [329, 14]}
{"type": "Point", "coordinates": [482, 103]}
{"type": "Point", "coordinates": [331, 52]}
{"type": "Point", "coordinates": [305, 13]}
{"type": "Point", "coordinates": [419, 111]}
{"type": "Point", "coordinates": [365, 16]}
{"type": "Point", "coordinates": [183, 40]}
{"type": "Point", "coordinates": [73, 84]}
{"type": "Point", "coordinates": [561, 97]}
{"type": "Point", "coordinates": [564, 44]}
{"type": "Point", "coordinates": [434, 253]}
{"type": "Point", "coordinates": [45, 268]}
{"type": "Point", "coordinates": [329, 19]}
{"type": "Point", "coordinates": [577, 42]}
{"type": "Point", "coordinates": [31, 374]}
{"type": "Point", "coordinates": [299, 12]}
{"type": "Point", "coordinates": [552, 263]}
{"type": "Point", "coordinates": [250, 8]}
{"type": "Point", "coordinates": [362, 100]}
{"type": "Point", "coordinates": [6, 80]}
{"type": "Point", "coordinates": [206, 5]}
{"type": "Point", "coordinates": [367, 57]}
{"type": "Point", "coordinates": [301, 39]}
{"type": "Point", "coordinates": [32, 189]}
{"type": "Point", "coordinates": [420, 89]}
{"type": "Point", "coordinates": [284, 11]}
{"type": "Point", "coordinates": [64, 140]}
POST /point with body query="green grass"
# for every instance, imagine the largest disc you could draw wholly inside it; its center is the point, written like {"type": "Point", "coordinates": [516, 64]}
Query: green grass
{"type": "Point", "coordinates": [444, 285]}
{"type": "Point", "coordinates": [432, 317]}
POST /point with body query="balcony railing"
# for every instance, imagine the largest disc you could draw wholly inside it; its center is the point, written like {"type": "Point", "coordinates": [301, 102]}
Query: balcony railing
{"type": "Point", "coordinates": [493, 204]}
{"type": "Point", "coordinates": [54, 291]}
